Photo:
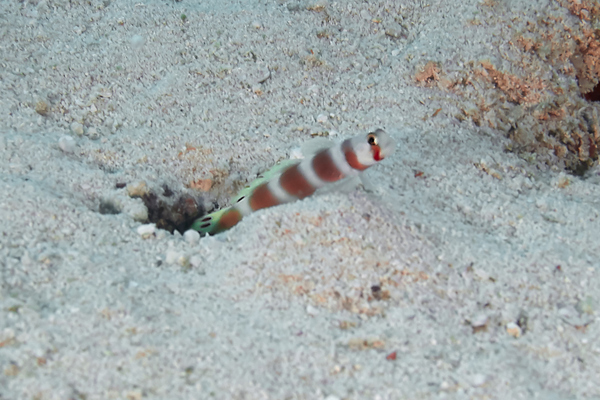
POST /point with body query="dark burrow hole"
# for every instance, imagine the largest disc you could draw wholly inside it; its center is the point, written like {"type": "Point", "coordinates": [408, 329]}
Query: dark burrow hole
{"type": "Point", "coordinates": [594, 95]}
{"type": "Point", "coordinates": [108, 208]}
{"type": "Point", "coordinates": [171, 212]}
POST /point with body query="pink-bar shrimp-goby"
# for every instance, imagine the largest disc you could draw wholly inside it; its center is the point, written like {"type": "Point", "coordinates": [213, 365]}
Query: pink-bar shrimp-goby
{"type": "Point", "coordinates": [296, 179]}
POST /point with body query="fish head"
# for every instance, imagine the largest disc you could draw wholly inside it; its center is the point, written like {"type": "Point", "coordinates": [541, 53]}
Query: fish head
{"type": "Point", "coordinates": [381, 144]}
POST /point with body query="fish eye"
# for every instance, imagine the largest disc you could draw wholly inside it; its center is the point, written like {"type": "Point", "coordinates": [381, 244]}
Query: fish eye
{"type": "Point", "coordinates": [372, 139]}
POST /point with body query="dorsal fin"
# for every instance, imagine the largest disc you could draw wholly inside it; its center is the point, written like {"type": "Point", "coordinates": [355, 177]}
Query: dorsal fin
{"type": "Point", "coordinates": [315, 145]}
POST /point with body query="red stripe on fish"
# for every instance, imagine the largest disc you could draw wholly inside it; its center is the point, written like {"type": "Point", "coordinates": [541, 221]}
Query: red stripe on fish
{"type": "Point", "coordinates": [263, 198]}
{"type": "Point", "coordinates": [325, 167]}
{"type": "Point", "coordinates": [228, 219]}
{"type": "Point", "coordinates": [294, 182]}
{"type": "Point", "coordinates": [351, 157]}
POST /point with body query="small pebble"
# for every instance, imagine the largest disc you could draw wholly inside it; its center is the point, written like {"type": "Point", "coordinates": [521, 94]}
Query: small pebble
{"type": "Point", "coordinates": [137, 189]}
{"type": "Point", "coordinates": [137, 42]}
{"type": "Point", "coordinates": [172, 256]}
{"type": "Point", "coordinates": [478, 379]}
{"type": "Point", "coordinates": [196, 261]}
{"type": "Point", "coordinates": [134, 395]}
{"type": "Point", "coordinates": [137, 211]}
{"type": "Point", "coordinates": [67, 144]}
{"type": "Point", "coordinates": [396, 31]}
{"type": "Point", "coordinates": [257, 90]}
{"type": "Point", "coordinates": [513, 329]}
{"type": "Point", "coordinates": [310, 310]}
{"type": "Point", "coordinates": [77, 128]}
{"type": "Point", "coordinates": [146, 230]}
{"type": "Point", "coordinates": [183, 261]}
{"type": "Point", "coordinates": [93, 133]}
{"type": "Point", "coordinates": [481, 274]}
{"type": "Point", "coordinates": [201, 184]}
{"type": "Point", "coordinates": [263, 75]}
{"type": "Point", "coordinates": [79, 29]}
{"type": "Point", "coordinates": [191, 236]}
{"type": "Point", "coordinates": [322, 118]}
{"type": "Point", "coordinates": [41, 107]}
{"type": "Point", "coordinates": [479, 320]}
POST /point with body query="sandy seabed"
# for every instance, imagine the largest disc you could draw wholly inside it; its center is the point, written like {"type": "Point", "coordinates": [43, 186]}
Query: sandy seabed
{"type": "Point", "coordinates": [466, 271]}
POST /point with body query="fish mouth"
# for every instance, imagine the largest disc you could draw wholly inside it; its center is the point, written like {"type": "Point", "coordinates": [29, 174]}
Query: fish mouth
{"type": "Point", "coordinates": [387, 145]}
